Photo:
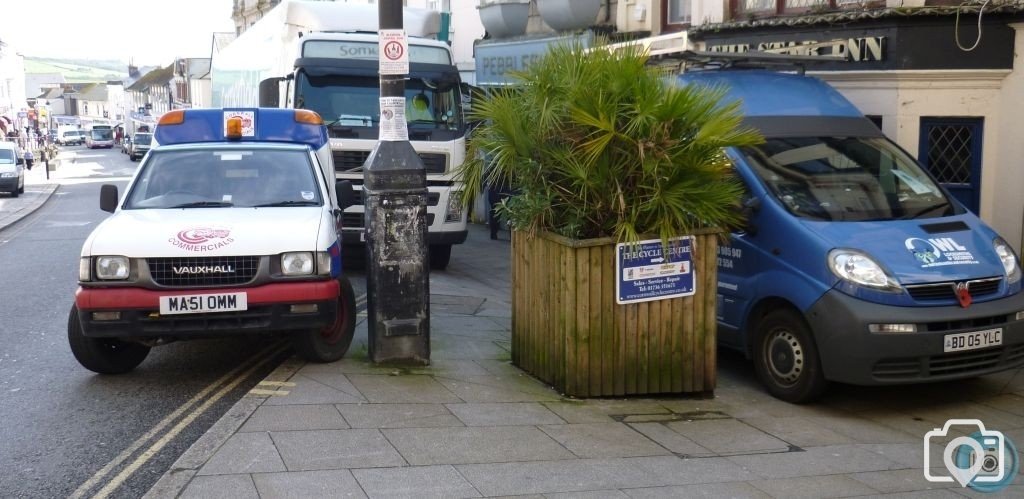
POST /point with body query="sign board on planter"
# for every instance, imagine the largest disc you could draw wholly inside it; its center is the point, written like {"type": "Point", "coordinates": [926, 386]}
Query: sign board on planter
{"type": "Point", "coordinates": [644, 272]}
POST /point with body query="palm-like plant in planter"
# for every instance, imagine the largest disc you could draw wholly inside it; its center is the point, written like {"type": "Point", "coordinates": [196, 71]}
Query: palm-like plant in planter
{"type": "Point", "coordinates": [601, 149]}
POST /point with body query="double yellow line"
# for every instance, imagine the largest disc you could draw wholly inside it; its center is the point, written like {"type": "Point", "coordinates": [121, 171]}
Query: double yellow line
{"type": "Point", "coordinates": [157, 438]}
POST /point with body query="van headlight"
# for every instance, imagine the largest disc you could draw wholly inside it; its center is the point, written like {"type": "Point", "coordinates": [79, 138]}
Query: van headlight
{"type": "Point", "coordinates": [297, 263]}
{"type": "Point", "coordinates": [859, 268]}
{"type": "Point", "coordinates": [112, 268]}
{"type": "Point", "coordinates": [1008, 258]}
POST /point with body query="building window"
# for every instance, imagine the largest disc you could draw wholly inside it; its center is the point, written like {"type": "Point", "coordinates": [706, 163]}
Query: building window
{"type": "Point", "coordinates": [950, 148]}
{"type": "Point", "coordinates": [676, 14]}
{"type": "Point", "coordinates": [763, 8]}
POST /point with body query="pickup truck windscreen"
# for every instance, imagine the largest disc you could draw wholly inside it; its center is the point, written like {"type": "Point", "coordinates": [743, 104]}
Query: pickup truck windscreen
{"type": "Point", "coordinates": [212, 178]}
{"type": "Point", "coordinates": [350, 106]}
{"type": "Point", "coordinates": [846, 179]}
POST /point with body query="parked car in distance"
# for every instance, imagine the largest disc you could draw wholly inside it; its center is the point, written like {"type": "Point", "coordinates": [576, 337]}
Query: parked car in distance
{"type": "Point", "coordinates": [71, 137]}
{"type": "Point", "coordinates": [12, 171]}
{"type": "Point", "coordinates": [139, 145]}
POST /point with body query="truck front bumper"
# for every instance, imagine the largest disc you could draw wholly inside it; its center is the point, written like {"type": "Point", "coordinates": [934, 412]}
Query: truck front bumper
{"type": "Point", "coordinates": [852, 354]}
{"type": "Point", "coordinates": [269, 309]}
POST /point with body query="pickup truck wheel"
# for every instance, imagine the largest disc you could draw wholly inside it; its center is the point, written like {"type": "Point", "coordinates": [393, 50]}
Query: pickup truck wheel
{"type": "Point", "coordinates": [330, 343]}
{"type": "Point", "coordinates": [103, 355]}
{"type": "Point", "coordinates": [440, 255]}
{"type": "Point", "coordinates": [786, 358]}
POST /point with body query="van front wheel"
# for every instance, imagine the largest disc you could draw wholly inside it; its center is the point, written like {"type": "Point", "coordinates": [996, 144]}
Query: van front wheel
{"type": "Point", "coordinates": [786, 358]}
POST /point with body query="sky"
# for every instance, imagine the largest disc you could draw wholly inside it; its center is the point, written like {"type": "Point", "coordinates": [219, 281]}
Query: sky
{"type": "Point", "coordinates": [150, 32]}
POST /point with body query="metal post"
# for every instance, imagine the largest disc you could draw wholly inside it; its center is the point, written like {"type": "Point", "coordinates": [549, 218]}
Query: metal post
{"type": "Point", "coordinates": [395, 200]}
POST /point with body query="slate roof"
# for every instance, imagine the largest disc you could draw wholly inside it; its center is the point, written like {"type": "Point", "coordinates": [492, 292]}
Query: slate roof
{"type": "Point", "coordinates": [155, 78]}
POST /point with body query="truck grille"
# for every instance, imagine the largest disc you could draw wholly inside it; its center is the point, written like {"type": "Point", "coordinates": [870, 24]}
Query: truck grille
{"type": "Point", "coordinates": [433, 163]}
{"type": "Point", "coordinates": [242, 270]}
{"type": "Point", "coordinates": [432, 198]}
{"type": "Point", "coordinates": [947, 290]}
{"type": "Point", "coordinates": [355, 220]}
{"type": "Point", "coordinates": [961, 363]}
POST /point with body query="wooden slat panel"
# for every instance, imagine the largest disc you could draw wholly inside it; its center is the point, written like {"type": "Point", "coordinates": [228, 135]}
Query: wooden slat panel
{"type": "Point", "coordinates": [666, 344]}
{"type": "Point", "coordinates": [596, 319]}
{"type": "Point", "coordinates": [621, 340]}
{"type": "Point", "coordinates": [610, 332]}
{"type": "Point", "coordinates": [677, 345]}
{"type": "Point", "coordinates": [654, 361]}
{"type": "Point", "coordinates": [517, 300]}
{"type": "Point", "coordinates": [582, 320]}
{"type": "Point", "coordinates": [557, 366]}
{"type": "Point", "coordinates": [632, 350]}
{"type": "Point", "coordinates": [711, 321]}
{"type": "Point", "coordinates": [543, 303]}
{"type": "Point", "coordinates": [643, 359]}
{"type": "Point", "coordinates": [700, 263]}
{"type": "Point", "coordinates": [569, 314]}
{"type": "Point", "coordinates": [687, 364]}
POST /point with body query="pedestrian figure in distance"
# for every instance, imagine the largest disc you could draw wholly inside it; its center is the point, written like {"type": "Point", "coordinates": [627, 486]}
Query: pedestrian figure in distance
{"type": "Point", "coordinates": [29, 158]}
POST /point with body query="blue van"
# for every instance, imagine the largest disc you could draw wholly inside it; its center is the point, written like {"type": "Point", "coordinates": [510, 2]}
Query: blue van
{"type": "Point", "coordinates": [855, 265]}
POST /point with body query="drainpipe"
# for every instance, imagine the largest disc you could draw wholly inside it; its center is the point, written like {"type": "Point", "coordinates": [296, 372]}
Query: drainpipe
{"type": "Point", "coordinates": [608, 11]}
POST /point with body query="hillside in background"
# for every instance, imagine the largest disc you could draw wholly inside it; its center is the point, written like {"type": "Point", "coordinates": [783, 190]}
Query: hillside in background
{"type": "Point", "coordinates": [77, 70]}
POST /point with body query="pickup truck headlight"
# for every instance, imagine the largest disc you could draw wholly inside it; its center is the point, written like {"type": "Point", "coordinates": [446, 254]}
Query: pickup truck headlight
{"type": "Point", "coordinates": [859, 268]}
{"type": "Point", "coordinates": [1008, 258]}
{"type": "Point", "coordinates": [297, 263]}
{"type": "Point", "coordinates": [8, 175]}
{"type": "Point", "coordinates": [112, 268]}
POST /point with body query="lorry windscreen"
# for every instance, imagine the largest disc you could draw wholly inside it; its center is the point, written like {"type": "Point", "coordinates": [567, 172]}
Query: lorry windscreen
{"type": "Point", "coordinates": [352, 102]}
{"type": "Point", "coordinates": [846, 179]}
{"type": "Point", "coordinates": [212, 178]}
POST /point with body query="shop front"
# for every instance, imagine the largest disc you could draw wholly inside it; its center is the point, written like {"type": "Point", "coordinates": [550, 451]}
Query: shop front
{"type": "Point", "coordinates": [956, 110]}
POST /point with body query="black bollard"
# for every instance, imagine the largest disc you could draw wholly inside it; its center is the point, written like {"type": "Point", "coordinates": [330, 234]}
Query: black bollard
{"type": "Point", "coordinates": [395, 200]}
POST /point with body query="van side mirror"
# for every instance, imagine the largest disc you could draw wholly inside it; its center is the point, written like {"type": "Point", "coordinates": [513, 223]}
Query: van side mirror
{"type": "Point", "coordinates": [346, 194]}
{"type": "Point", "coordinates": [270, 92]}
{"type": "Point", "coordinates": [751, 205]}
{"type": "Point", "coordinates": [108, 197]}
{"type": "Point", "coordinates": [20, 160]}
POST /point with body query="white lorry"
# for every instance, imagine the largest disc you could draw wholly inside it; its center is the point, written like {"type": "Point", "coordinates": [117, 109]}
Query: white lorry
{"type": "Point", "coordinates": [323, 56]}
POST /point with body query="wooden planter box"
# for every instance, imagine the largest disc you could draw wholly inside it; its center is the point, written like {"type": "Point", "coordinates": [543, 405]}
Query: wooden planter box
{"type": "Point", "coordinates": [568, 330]}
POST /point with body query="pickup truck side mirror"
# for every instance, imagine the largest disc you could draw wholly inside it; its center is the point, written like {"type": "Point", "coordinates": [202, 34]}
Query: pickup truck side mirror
{"type": "Point", "coordinates": [20, 161]}
{"type": "Point", "coordinates": [346, 194]}
{"type": "Point", "coordinates": [108, 197]}
{"type": "Point", "coordinates": [270, 92]}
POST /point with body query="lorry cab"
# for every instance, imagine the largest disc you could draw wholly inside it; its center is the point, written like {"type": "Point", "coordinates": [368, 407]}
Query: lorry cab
{"type": "Point", "coordinates": [854, 264]}
{"type": "Point", "coordinates": [231, 227]}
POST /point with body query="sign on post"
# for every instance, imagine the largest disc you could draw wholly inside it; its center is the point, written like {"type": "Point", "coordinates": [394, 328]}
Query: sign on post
{"type": "Point", "coordinates": [644, 272]}
{"type": "Point", "coordinates": [394, 52]}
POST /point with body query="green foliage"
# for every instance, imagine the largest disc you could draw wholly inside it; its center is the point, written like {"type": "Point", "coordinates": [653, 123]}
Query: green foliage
{"type": "Point", "coordinates": [597, 144]}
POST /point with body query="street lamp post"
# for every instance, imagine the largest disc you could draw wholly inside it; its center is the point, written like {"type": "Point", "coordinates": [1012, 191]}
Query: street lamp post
{"type": "Point", "coordinates": [395, 201]}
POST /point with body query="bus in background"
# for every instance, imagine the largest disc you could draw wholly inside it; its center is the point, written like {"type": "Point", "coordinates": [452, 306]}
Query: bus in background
{"type": "Point", "coordinates": [99, 136]}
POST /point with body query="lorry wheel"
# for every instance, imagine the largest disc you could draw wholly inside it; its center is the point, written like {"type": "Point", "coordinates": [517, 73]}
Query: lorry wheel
{"type": "Point", "coordinates": [330, 343]}
{"type": "Point", "coordinates": [786, 358]}
{"type": "Point", "coordinates": [103, 355]}
{"type": "Point", "coordinates": [440, 254]}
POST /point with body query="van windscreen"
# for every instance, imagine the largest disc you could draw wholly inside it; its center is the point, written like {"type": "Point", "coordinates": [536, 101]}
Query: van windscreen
{"type": "Point", "coordinates": [846, 179]}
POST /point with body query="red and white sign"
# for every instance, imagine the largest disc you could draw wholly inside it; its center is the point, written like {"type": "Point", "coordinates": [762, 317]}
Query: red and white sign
{"type": "Point", "coordinates": [394, 52]}
{"type": "Point", "coordinates": [200, 239]}
{"type": "Point", "coordinates": [248, 122]}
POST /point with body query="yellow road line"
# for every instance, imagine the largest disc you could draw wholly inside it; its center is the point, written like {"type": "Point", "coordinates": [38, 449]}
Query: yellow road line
{"type": "Point", "coordinates": [118, 480]}
{"type": "Point", "coordinates": [124, 455]}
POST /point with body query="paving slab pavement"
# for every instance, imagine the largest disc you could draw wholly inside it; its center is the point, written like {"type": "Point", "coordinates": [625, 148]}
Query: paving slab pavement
{"type": "Point", "coordinates": [473, 425]}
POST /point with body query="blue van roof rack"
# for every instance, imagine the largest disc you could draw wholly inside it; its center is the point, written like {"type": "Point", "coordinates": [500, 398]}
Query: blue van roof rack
{"type": "Point", "coordinates": [749, 60]}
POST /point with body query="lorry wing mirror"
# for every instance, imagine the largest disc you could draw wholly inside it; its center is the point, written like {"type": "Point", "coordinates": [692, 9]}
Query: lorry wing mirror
{"type": "Point", "coordinates": [108, 197]}
{"type": "Point", "coordinates": [346, 194]}
{"type": "Point", "coordinates": [270, 92]}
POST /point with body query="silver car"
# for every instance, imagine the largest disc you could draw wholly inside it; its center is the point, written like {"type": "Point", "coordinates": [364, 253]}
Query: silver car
{"type": "Point", "coordinates": [12, 171]}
